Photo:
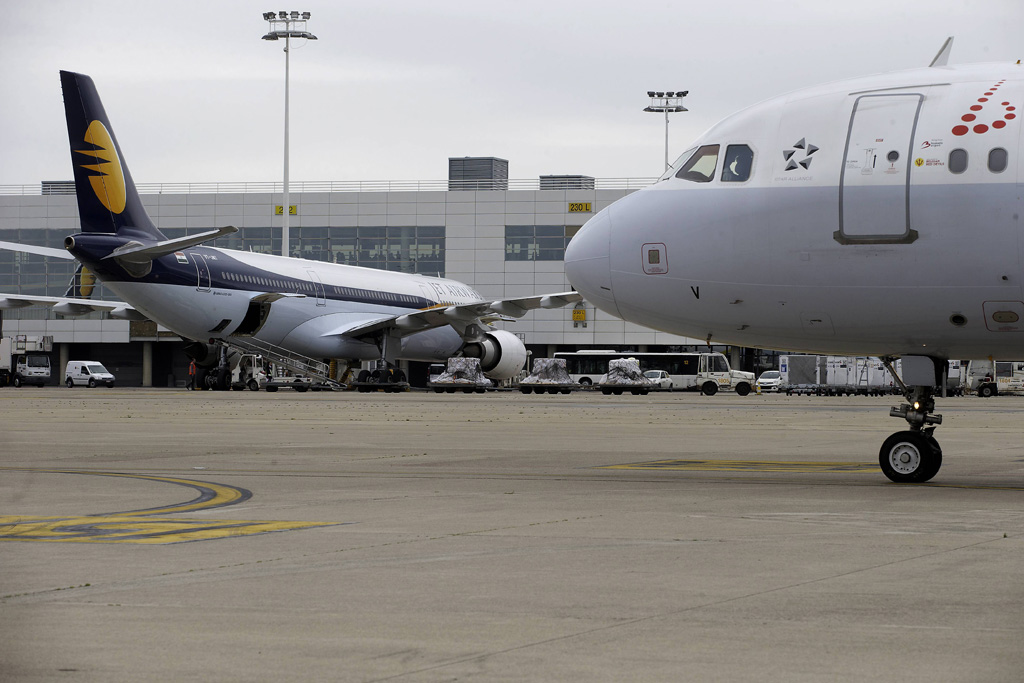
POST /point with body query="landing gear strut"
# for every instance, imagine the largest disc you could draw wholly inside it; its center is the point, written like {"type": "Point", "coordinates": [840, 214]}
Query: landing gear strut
{"type": "Point", "coordinates": [913, 456]}
{"type": "Point", "coordinates": [387, 377]}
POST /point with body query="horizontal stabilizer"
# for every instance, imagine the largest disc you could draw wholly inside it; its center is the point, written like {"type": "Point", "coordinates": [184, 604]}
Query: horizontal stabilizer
{"type": "Point", "coordinates": [40, 251]}
{"type": "Point", "coordinates": [143, 253]}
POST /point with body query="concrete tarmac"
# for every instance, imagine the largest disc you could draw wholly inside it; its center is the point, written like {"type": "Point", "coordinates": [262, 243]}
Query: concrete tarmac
{"type": "Point", "coordinates": [423, 537]}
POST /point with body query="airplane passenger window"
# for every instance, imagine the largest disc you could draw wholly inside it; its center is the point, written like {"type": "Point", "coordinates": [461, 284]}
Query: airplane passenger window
{"type": "Point", "coordinates": [958, 161]}
{"type": "Point", "coordinates": [997, 160]}
{"type": "Point", "coordinates": [738, 160]}
{"type": "Point", "coordinates": [701, 166]}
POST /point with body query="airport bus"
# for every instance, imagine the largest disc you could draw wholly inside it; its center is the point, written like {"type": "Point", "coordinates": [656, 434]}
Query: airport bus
{"type": "Point", "coordinates": [706, 372]}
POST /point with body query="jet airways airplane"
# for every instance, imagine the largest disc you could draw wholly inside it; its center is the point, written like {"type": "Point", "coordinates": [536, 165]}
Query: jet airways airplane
{"type": "Point", "coordinates": [879, 216]}
{"type": "Point", "coordinates": [222, 297]}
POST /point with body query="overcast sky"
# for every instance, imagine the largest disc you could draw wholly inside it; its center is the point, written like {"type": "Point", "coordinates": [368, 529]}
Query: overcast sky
{"type": "Point", "coordinates": [393, 88]}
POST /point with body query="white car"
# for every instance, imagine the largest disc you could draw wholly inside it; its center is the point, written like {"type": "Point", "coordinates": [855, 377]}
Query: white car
{"type": "Point", "coordinates": [769, 381]}
{"type": "Point", "coordinates": [660, 378]}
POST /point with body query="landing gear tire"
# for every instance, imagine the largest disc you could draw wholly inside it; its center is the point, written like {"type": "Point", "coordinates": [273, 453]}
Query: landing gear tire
{"type": "Point", "coordinates": [709, 389]}
{"type": "Point", "coordinates": [910, 457]}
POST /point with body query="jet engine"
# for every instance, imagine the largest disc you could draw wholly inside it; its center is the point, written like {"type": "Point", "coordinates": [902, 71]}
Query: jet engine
{"type": "Point", "coordinates": [205, 355]}
{"type": "Point", "coordinates": [501, 353]}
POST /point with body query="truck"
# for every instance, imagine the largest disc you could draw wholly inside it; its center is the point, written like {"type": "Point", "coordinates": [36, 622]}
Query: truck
{"type": "Point", "coordinates": [988, 378]}
{"type": "Point", "coordinates": [248, 373]}
{"type": "Point", "coordinates": [24, 360]}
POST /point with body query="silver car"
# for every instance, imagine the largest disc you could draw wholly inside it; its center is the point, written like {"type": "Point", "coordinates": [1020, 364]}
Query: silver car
{"type": "Point", "coordinates": [769, 381]}
{"type": "Point", "coordinates": [660, 378]}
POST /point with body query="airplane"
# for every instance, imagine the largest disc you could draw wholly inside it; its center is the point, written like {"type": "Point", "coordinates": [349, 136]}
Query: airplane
{"type": "Point", "coordinates": [225, 299]}
{"type": "Point", "coordinates": [878, 216]}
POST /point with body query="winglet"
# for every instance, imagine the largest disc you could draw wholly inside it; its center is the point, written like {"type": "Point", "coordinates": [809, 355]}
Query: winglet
{"type": "Point", "coordinates": [942, 58]}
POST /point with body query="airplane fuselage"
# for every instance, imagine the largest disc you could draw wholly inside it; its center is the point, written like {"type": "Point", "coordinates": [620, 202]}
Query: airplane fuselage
{"type": "Point", "coordinates": [207, 293]}
{"type": "Point", "coordinates": [878, 216]}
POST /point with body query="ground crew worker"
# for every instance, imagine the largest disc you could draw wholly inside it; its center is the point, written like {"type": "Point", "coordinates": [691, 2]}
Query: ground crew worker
{"type": "Point", "coordinates": [191, 376]}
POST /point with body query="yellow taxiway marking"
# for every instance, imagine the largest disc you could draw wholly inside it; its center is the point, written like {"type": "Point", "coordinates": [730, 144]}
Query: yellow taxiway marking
{"type": "Point", "coordinates": [119, 529]}
{"type": "Point", "coordinates": [746, 466]}
{"type": "Point", "coordinates": [140, 526]}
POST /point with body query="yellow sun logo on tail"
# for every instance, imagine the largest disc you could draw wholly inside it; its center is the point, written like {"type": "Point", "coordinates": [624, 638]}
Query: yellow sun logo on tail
{"type": "Point", "coordinates": [109, 184]}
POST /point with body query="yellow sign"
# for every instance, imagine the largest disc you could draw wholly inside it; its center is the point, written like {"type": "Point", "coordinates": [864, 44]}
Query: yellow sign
{"type": "Point", "coordinates": [579, 315]}
{"type": "Point", "coordinates": [293, 210]}
{"type": "Point", "coordinates": [919, 161]}
{"type": "Point", "coordinates": [579, 207]}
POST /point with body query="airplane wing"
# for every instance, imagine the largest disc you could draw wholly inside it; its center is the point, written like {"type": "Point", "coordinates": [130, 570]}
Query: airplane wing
{"type": "Point", "coordinates": [459, 315]}
{"type": "Point", "coordinates": [72, 306]}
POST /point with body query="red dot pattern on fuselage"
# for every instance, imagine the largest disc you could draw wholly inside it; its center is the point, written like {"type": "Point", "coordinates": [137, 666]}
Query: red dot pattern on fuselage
{"type": "Point", "coordinates": [980, 128]}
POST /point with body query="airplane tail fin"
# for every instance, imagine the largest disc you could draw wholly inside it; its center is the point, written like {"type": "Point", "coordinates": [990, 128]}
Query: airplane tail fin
{"type": "Point", "coordinates": [107, 199]}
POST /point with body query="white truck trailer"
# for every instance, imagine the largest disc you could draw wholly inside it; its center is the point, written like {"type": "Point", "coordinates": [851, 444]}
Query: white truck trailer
{"type": "Point", "coordinates": [835, 375]}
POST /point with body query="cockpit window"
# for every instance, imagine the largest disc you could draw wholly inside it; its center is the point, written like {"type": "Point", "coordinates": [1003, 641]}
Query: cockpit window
{"type": "Point", "coordinates": [701, 166]}
{"type": "Point", "coordinates": [738, 160]}
{"type": "Point", "coordinates": [671, 171]}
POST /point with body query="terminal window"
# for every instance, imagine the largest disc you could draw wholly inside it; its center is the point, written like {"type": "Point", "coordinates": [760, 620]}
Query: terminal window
{"type": "Point", "coordinates": [537, 242]}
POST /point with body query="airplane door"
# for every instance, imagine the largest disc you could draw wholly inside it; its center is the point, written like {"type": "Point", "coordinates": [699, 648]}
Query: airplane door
{"type": "Point", "coordinates": [318, 287]}
{"type": "Point", "coordinates": [874, 188]}
{"type": "Point", "coordinates": [202, 272]}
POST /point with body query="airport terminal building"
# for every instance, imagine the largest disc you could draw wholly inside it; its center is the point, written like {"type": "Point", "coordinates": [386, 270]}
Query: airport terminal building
{"type": "Point", "coordinates": [503, 237]}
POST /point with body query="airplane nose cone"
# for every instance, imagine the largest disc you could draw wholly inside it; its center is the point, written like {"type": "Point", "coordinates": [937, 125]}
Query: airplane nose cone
{"type": "Point", "coordinates": [587, 262]}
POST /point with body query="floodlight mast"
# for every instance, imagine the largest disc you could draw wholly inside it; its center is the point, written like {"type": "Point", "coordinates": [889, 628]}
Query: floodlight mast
{"type": "Point", "coordinates": [286, 25]}
{"type": "Point", "coordinates": [668, 102]}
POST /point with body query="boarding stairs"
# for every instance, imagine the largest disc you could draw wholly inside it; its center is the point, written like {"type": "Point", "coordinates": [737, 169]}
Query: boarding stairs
{"type": "Point", "coordinates": [296, 362]}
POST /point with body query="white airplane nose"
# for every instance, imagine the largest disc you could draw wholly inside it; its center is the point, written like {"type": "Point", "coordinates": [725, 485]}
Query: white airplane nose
{"type": "Point", "coordinates": [587, 263]}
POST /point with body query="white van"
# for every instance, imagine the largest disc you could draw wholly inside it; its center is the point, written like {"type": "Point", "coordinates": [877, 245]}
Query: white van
{"type": "Point", "coordinates": [87, 372]}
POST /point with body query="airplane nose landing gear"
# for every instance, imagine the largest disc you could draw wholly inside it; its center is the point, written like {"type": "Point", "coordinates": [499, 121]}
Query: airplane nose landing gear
{"type": "Point", "coordinates": [913, 456]}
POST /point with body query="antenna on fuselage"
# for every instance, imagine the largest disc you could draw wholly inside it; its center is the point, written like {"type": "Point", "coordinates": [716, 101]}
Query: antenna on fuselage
{"type": "Point", "coordinates": [942, 59]}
